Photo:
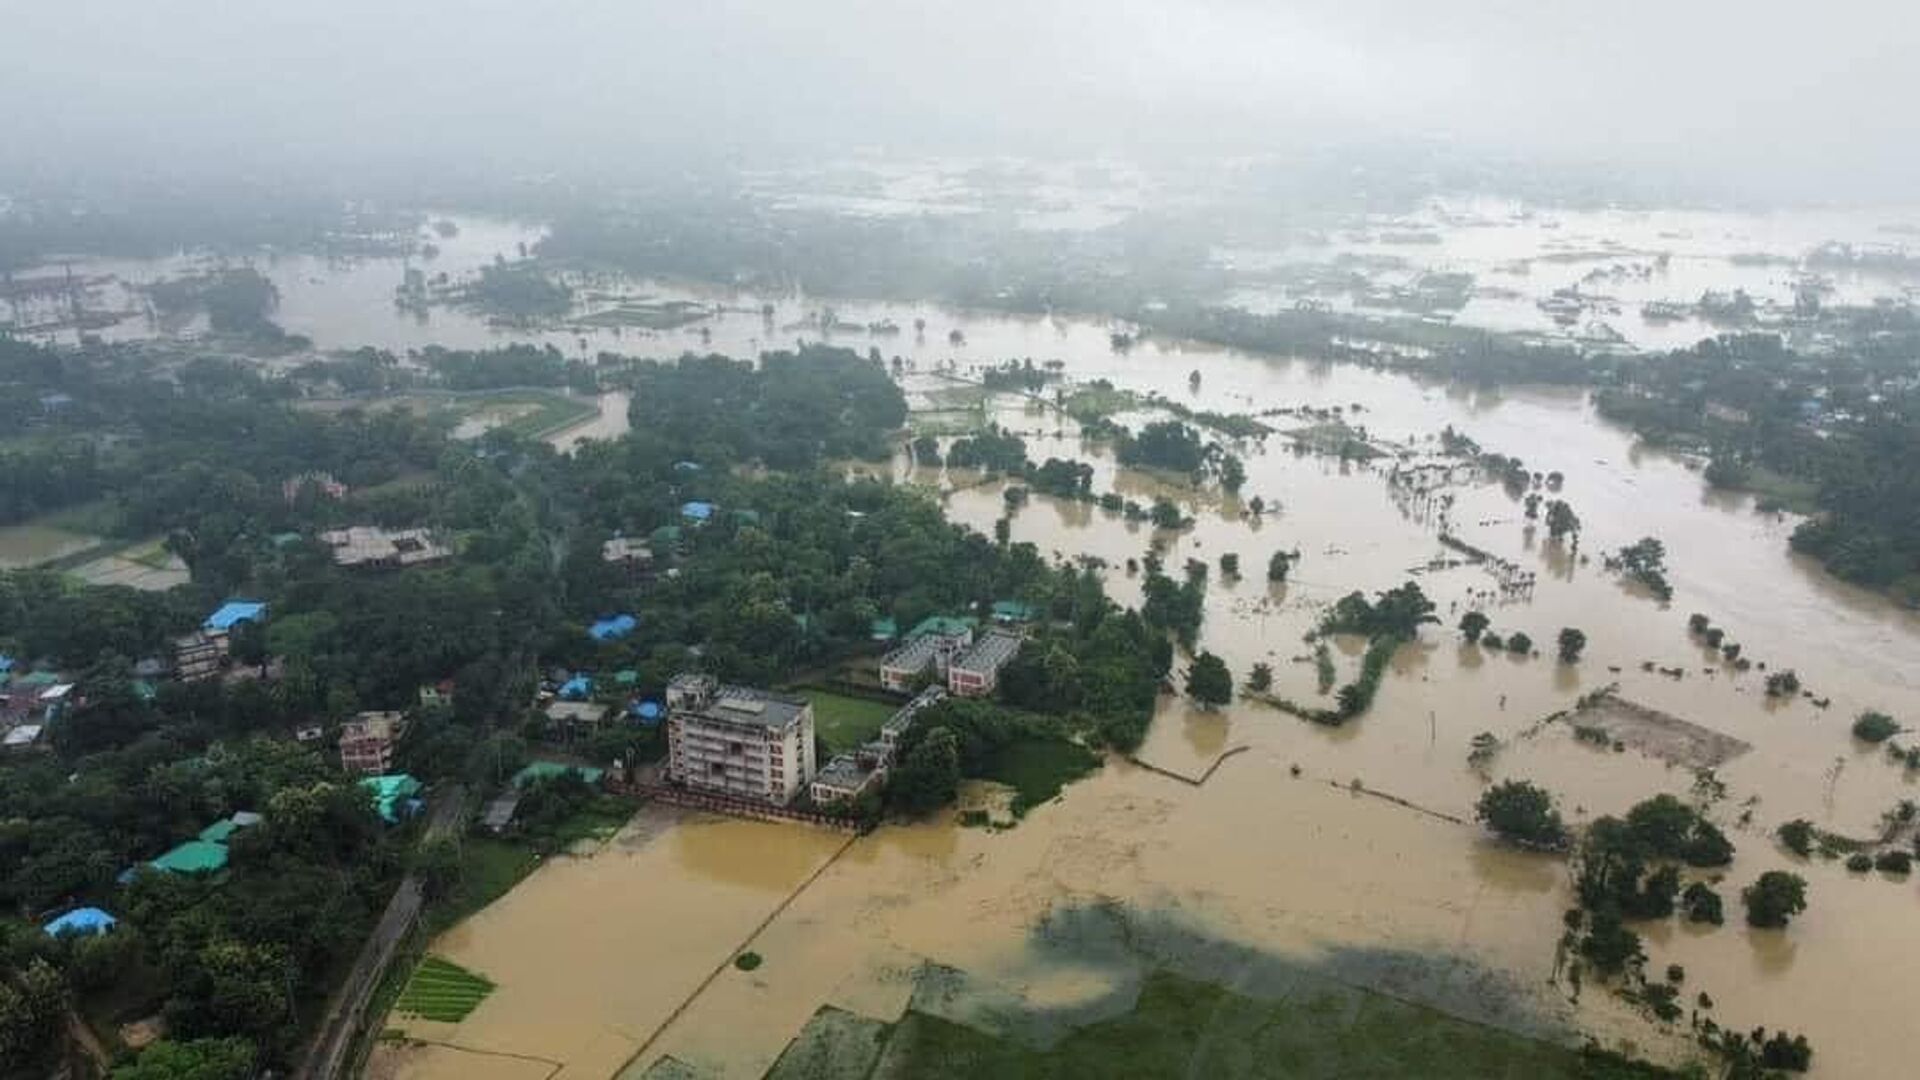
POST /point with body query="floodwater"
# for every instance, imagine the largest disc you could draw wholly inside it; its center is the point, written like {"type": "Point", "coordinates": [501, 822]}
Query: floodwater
{"type": "Point", "coordinates": [1302, 867]}
{"type": "Point", "coordinates": [604, 962]}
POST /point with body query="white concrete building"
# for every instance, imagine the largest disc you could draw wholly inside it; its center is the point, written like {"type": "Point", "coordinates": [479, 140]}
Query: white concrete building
{"type": "Point", "coordinates": [738, 741]}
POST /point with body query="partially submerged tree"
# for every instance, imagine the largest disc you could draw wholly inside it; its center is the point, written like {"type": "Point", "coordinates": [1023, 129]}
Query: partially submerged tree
{"type": "Point", "coordinates": [1774, 898]}
{"type": "Point", "coordinates": [1209, 682]}
{"type": "Point", "coordinates": [1522, 813]}
{"type": "Point", "coordinates": [1571, 643]}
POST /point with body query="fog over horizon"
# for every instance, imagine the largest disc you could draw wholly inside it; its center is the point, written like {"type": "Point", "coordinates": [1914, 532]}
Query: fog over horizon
{"type": "Point", "coordinates": [1755, 101]}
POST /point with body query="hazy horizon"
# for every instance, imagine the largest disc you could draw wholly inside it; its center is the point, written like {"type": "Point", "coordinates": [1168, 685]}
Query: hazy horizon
{"type": "Point", "coordinates": [1751, 101]}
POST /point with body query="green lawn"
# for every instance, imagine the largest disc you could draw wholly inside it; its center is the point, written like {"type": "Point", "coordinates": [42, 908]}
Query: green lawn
{"type": "Point", "coordinates": [1038, 768]}
{"type": "Point", "coordinates": [441, 990]}
{"type": "Point", "coordinates": [1180, 1027]}
{"type": "Point", "coordinates": [846, 722]}
{"type": "Point", "coordinates": [488, 869]}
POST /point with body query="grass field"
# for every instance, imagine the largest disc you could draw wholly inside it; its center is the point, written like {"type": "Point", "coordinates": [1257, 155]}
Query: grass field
{"type": "Point", "coordinates": [443, 991]}
{"type": "Point", "coordinates": [846, 722]}
{"type": "Point", "coordinates": [1179, 1027]}
{"type": "Point", "coordinates": [1038, 768]}
{"type": "Point", "coordinates": [488, 869]}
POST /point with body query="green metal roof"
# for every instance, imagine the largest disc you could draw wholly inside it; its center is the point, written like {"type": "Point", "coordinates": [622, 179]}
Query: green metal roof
{"type": "Point", "coordinates": [883, 629]}
{"type": "Point", "coordinates": [626, 676]}
{"type": "Point", "coordinates": [388, 790]}
{"type": "Point", "coordinates": [193, 857]}
{"type": "Point", "coordinates": [1013, 611]}
{"type": "Point", "coordinates": [38, 678]}
{"type": "Point", "coordinates": [218, 832]}
{"type": "Point", "coordinates": [942, 624]}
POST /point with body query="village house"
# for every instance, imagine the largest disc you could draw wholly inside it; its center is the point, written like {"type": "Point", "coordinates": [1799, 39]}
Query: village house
{"type": "Point", "coordinates": [370, 546]}
{"type": "Point", "coordinates": [321, 482]}
{"type": "Point", "coordinates": [198, 655]}
{"type": "Point", "coordinates": [631, 555]}
{"type": "Point", "coordinates": [738, 741]}
{"type": "Point", "coordinates": [977, 672]}
{"type": "Point", "coordinates": [367, 742]}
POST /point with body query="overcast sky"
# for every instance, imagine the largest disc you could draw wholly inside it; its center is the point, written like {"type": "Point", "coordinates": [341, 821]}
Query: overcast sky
{"type": "Point", "coordinates": [1762, 93]}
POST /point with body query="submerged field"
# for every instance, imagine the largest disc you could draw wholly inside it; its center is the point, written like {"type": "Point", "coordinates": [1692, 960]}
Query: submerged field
{"type": "Point", "coordinates": [1180, 1027]}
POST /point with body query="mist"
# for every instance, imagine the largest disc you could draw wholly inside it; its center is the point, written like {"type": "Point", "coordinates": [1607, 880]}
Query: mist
{"type": "Point", "coordinates": [1760, 100]}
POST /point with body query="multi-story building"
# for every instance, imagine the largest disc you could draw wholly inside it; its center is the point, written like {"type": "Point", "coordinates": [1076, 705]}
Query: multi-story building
{"type": "Point", "coordinates": [931, 646]}
{"type": "Point", "coordinates": [976, 672]}
{"type": "Point", "coordinates": [848, 776]}
{"type": "Point", "coordinates": [367, 742]}
{"type": "Point", "coordinates": [738, 741]}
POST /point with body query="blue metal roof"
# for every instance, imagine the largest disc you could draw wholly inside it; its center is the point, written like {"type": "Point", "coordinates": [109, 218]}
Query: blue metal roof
{"type": "Point", "coordinates": [610, 629]}
{"type": "Point", "coordinates": [578, 688]}
{"type": "Point", "coordinates": [234, 612]}
{"type": "Point", "coordinates": [696, 511]}
{"type": "Point", "coordinates": [86, 920]}
{"type": "Point", "coordinates": [647, 711]}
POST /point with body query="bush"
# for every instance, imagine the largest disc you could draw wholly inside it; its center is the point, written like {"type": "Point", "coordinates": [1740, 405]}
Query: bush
{"type": "Point", "coordinates": [1893, 862]}
{"type": "Point", "coordinates": [1492, 641]}
{"type": "Point", "coordinates": [747, 961]}
{"type": "Point", "coordinates": [1520, 643]}
{"type": "Point", "coordinates": [1875, 727]}
{"type": "Point", "coordinates": [1859, 862]}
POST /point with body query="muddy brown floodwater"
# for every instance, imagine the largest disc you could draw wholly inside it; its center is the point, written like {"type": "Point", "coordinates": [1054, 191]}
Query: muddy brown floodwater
{"type": "Point", "coordinates": [603, 961]}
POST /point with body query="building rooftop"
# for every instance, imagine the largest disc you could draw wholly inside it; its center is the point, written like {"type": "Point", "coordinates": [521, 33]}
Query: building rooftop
{"type": "Point", "coordinates": [902, 720]}
{"type": "Point", "coordinates": [86, 920]}
{"type": "Point", "coordinates": [945, 625]}
{"type": "Point", "coordinates": [622, 548]}
{"type": "Point", "coordinates": [388, 792]}
{"type": "Point", "coordinates": [24, 735]}
{"type": "Point", "coordinates": [233, 612]}
{"type": "Point", "coordinates": [614, 628]}
{"type": "Point", "coordinates": [193, 857]}
{"type": "Point", "coordinates": [697, 511]}
{"type": "Point", "coordinates": [753, 707]}
{"type": "Point", "coordinates": [361, 545]}
{"type": "Point", "coordinates": [845, 771]}
{"type": "Point", "coordinates": [373, 725]}
{"type": "Point", "coordinates": [994, 648]}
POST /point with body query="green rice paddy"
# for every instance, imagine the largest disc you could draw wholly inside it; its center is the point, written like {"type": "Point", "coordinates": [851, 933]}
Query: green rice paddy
{"type": "Point", "coordinates": [443, 991]}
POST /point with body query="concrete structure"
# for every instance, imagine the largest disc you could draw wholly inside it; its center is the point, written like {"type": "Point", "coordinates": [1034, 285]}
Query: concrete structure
{"type": "Point", "coordinates": [899, 722]}
{"type": "Point", "coordinates": [738, 741]}
{"type": "Point", "coordinates": [321, 482]}
{"type": "Point", "coordinates": [632, 554]}
{"type": "Point", "coordinates": [367, 545]}
{"type": "Point", "coordinates": [367, 742]}
{"type": "Point", "coordinates": [848, 776]}
{"type": "Point", "coordinates": [198, 655]}
{"type": "Point", "coordinates": [931, 646]}
{"type": "Point", "coordinates": [977, 672]}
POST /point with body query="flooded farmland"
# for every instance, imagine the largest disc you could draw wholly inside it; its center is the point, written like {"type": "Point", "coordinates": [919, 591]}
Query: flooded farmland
{"type": "Point", "coordinates": [1332, 849]}
{"type": "Point", "coordinates": [1338, 850]}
